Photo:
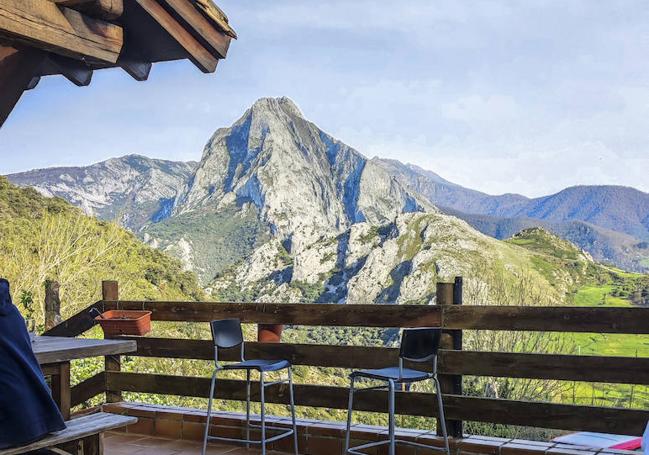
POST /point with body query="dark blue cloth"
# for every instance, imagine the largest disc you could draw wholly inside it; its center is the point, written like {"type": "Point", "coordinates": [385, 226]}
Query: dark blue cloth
{"type": "Point", "coordinates": [27, 411]}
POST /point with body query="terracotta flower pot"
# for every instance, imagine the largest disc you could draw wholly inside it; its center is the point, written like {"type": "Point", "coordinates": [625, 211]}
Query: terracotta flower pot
{"type": "Point", "coordinates": [125, 322]}
{"type": "Point", "coordinates": [270, 333]}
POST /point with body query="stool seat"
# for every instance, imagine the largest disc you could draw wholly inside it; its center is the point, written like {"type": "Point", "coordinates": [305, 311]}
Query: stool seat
{"type": "Point", "coordinates": [259, 365]}
{"type": "Point", "coordinates": [393, 373]}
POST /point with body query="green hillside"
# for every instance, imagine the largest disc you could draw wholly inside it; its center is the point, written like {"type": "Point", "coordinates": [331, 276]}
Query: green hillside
{"type": "Point", "coordinates": [46, 238]}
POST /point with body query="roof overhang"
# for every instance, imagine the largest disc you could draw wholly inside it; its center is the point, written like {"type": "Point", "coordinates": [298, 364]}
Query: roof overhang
{"type": "Point", "coordinates": [76, 37]}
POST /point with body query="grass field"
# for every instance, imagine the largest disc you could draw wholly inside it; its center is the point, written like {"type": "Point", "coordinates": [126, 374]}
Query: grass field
{"type": "Point", "coordinates": [620, 395]}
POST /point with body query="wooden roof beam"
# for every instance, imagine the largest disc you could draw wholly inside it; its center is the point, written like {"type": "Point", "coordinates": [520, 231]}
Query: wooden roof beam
{"type": "Point", "coordinates": [60, 30]}
{"type": "Point", "coordinates": [205, 31]}
{"type": "Point", "coordinates": [200, 56]}
{"type": "Point", "coordinates": [17, 70]}
{"type": "Point", "coordinates": [75, 71]}
{"type": "Point", "coordinates": [103, 9]}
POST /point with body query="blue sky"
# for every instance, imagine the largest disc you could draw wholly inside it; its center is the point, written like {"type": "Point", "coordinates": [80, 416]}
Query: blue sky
{"type": "Point", "coordinates": [500, 96]}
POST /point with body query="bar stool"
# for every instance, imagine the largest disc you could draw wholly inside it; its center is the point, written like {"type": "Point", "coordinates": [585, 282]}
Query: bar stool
{"type": "Point", "coordinates": [227, 334]}
{"type": "Point", "coordinates": [417, 345]}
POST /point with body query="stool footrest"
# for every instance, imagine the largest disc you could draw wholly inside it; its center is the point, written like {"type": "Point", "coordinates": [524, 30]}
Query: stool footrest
{"type": "Point", "coordinates": [354, 450]}
{"type": "Point", "coordinates": [277, 437]}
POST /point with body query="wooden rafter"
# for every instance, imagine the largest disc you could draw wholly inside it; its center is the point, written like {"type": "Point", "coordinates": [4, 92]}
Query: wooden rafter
{"type": "Point", "coordinates": [201, 57]}
{"type": "Point", "coordinates": [61, 30]}
{"type": "Point", "coordinates": [17, 70]}
{"type": "Point", "coordinates": [103, 9]}
{"type": "Point", "coordinates": [205, 31]}
{"type": "Point", "coordinates": [75, 71]}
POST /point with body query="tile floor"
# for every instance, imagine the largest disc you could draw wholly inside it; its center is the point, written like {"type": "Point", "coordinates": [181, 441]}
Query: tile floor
{"type": "Point", "coordinates": [131, 444]}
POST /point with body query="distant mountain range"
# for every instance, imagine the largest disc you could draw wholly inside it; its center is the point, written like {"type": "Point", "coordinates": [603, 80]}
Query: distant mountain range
{"type": "Point", "coordinates": [610, 222]}
{"type": "Point", "coordinates": [275, 175]}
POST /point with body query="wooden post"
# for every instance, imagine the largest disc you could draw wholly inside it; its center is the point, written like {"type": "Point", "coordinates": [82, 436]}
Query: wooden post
{"type": "Point", "coordinates": [451, 294]}
{"type": "Point", "coordinates": [109, 290]}
{"type": "Point", "coordinates": [113, 363]}
{"type": "Point", "coordinates": [17, 69]}
{"type": "Point", "coordinates": [52, 304]}
{"type": "Point", "coordinates": [60, 374]}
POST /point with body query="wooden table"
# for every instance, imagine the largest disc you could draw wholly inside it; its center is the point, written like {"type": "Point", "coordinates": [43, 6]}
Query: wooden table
{"type": "Point", "coordinates": [55, 353]}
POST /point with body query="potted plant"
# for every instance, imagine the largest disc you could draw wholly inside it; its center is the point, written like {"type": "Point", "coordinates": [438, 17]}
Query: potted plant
{"type": "Point", "coordinates": [269, 333]}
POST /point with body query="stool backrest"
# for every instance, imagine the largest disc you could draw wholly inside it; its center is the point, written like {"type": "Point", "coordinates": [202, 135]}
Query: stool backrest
{"type": "Point", "coordinates": [420, 344]}
{"type": "Point", "coordinates": [227, 333]}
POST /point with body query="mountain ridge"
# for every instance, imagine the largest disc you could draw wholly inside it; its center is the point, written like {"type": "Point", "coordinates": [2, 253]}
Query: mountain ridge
{"type": "Point", "coordinates": [257, 168]}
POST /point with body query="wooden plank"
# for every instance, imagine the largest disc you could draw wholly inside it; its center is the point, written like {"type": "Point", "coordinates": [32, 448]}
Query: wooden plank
{"type": "Point", "coordinates": [79, 428]}
{"type": "Point", "coordinates": [548, 319]}
{"type": "Point", "coordinates": [17, 70]}
{"type": "Point", "coordinates": [61, 349]}
{"type": "Point", "coordinates": [621, 370]}
{"type": "Point", "coordinates": [289, 313]}
{"type": "Point", "coordinates": [216, 41]}
{"type": "Point", "coordinates": [508, 412]}
{"type": "Point", "coordinates": [61, 30]}
{"type": "Point", "coordinates": [88, 389]}
{"type": "Point", "coordinates": [200, 56]}
{"type": "Point", "coordinates": [616, 370]}
{"type": "Point", "coordinates": [77, 324]}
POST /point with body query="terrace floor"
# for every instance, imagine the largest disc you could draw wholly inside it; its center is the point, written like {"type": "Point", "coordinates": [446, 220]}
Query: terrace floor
{"type": "Point", "coordinates": [133, 444]}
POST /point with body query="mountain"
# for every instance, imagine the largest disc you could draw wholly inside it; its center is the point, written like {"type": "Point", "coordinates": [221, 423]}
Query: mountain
{"type": "Point", "coordinates": [610, 222]}
{"type": "Point", "coordinates": [443, 193]}
{"type": "Point", "coordinates": [47, 238]}
{"type": "Point", "coordinates": [133, 190]}
{"type": "Point", "coordinates": [273, 174]}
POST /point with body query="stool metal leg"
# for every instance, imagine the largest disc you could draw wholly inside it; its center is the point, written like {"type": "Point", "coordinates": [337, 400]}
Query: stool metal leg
{"type": "Point", "coordinates": [349, 415]}
{"type": "Point", "coordinates": [442, 419]}
{"type": "Point", "coordinates": [263, 413]}
{"type": "Point", "coordinates": [248, 408]}
{"type": "Point", "coordinates": [290, 385]}
{"type": "Point", "coordinates": [209, 412]}
{"type": "Point", "coordinates": [392, 447]}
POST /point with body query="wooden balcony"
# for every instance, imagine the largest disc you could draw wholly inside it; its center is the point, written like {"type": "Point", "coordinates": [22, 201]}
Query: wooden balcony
{"type": "Point", "coordinates": [454, 363]}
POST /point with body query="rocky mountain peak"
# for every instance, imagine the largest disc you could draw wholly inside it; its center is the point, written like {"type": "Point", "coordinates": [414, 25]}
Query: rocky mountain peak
{"type": "Point", "coordinates": [301, 180]}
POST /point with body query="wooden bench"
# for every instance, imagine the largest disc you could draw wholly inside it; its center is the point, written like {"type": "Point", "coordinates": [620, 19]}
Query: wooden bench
{"type": "Point", "coordinates": [83, 434]}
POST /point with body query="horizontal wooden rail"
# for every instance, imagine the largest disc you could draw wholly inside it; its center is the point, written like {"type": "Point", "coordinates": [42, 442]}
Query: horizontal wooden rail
{"type": "Point", "coordinates": [508, 412]}
{"type": "Point", "coordinates": [623, 370]}
{"type": "Point", "coordinates": [88, 389]}
{"type": "Point", "coordinates": [547, 319]}
{"type": "Point", "coordinates": [314, 314]}
{"type": "Point", "coordinates": [76, 324]}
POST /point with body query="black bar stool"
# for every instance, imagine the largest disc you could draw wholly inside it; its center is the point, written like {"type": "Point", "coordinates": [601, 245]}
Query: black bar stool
{"type": "Point", "coordinates": [417, 345]}
{"type": "Point", "coordinates": [227, 334]}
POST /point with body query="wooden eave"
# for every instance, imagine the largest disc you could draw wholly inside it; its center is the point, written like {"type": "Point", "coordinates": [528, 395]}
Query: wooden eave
{"type": "Point", "coordinates": [74, 38]}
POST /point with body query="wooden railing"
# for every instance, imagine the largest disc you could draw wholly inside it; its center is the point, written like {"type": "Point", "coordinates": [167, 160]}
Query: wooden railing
{"type": "Point", "coordinates": [454, 362]}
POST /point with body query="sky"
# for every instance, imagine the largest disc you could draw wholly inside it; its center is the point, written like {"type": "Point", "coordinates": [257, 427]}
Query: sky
{"type": "Point", "coordinates": [501, 96]}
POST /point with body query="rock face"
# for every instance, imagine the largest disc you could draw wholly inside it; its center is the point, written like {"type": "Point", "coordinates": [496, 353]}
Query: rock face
{"type": "Point", "coordinates": [133, 190]}
{"type": "Point", "coordinates": [302, 181]}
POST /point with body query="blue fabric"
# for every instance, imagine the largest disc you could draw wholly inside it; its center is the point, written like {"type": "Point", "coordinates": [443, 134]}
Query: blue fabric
{"type": "Point", "coordinates": [406, 375]}
{"type": "Point", "coordinates": [260, 365]}
{"type": "Point", "coordinates": [27, 411]}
